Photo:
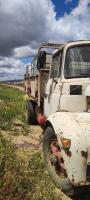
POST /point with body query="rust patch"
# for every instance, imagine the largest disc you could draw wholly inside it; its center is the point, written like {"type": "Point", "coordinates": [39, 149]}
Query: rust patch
{"type": "Point", "coordinates": [84, 154]}
{"type": "Point", "coordinates": [66, 143]}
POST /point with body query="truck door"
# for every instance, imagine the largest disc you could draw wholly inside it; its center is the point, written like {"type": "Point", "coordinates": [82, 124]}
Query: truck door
{"type": "Point", "coordinates": [53, 87]}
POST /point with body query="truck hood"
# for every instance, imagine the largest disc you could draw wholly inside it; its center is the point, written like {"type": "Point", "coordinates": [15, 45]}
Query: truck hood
{"type": "Point", "coordinates": [74, 126]}
{"type": "Point", "coordinates": [84, 121]}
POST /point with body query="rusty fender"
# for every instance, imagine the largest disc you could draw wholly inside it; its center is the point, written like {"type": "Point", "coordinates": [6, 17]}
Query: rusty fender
{"type": "Point", "coordinates": [73, 144]}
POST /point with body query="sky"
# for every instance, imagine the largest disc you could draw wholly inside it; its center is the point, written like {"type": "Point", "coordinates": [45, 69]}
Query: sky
{"type": "Point", "coordinates": [25, 24]}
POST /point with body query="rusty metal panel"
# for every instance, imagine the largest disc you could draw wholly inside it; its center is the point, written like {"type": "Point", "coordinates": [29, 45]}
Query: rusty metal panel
{"type": "Point", "coordinates": [75, 127]}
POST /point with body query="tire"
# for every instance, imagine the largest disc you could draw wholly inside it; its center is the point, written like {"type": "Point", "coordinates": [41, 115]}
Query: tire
{"type": "Point", "coordinates": [63, 184]}
{"type": "Point", "coordinates": [30, 113]}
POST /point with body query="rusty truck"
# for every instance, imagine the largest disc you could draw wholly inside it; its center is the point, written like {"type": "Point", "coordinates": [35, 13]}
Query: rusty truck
{"type": "Point", "coordinates": [65, 105]}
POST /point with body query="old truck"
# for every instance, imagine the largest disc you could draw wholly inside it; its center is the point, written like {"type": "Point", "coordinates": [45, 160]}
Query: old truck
{"type": "Point", "coordinates": [66, 112]}
{"type": "Point", "coordinates": [35, 80]}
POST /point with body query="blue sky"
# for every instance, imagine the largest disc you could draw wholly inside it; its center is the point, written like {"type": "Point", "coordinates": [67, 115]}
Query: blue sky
{"type": "Point", "coordinates": [26, 60]}
{"type": "Point", "coordinates": [62, 6]}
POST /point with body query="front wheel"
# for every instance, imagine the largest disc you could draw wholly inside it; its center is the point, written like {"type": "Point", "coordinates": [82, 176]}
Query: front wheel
{"type": "Point", "coordinates": [54, 162]}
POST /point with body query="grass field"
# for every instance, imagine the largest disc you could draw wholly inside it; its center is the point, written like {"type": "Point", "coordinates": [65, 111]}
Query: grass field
{"type": "Point", "coordinates": [11, 106]}
{"type": "Point", "coordinates": [22, 171]}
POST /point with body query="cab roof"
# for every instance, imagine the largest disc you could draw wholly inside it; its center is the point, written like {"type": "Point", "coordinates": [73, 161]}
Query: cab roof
{"type": "Point", "coordinates": [71, 43]}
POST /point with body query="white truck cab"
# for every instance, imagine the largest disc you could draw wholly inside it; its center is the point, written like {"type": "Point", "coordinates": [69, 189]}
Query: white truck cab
{"type": "Point", "coordinates": [67, 88]}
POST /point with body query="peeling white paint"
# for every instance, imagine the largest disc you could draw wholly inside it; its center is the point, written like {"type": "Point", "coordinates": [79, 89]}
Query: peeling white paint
{"type": "Point", "coordinates": [76, 127]}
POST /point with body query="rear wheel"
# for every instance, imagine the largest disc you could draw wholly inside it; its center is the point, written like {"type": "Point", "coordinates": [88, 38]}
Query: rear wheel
{"type": "Point", "coordinates": [30, 113]}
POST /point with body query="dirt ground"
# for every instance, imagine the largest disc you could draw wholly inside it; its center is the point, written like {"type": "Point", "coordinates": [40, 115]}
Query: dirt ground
{"type": "Point", "coordinates": [32, 141]}
{"type": "Point", "coordinates": [15, 86]}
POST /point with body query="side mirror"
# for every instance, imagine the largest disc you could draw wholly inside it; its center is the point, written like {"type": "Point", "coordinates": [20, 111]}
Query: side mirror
{"type": "Point", "coordinates": [41, 61]}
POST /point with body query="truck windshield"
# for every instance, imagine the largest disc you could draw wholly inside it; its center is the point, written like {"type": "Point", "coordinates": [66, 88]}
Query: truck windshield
{"type": "Point", "coordinates": [77, 62]}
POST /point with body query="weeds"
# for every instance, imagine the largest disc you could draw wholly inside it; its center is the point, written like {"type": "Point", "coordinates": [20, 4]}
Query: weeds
{"type": "Point", "coordinates": [21, 177]}
{"type": "Point", "coordinates": [11, 106]}
{"type": "Point", "coordinates": [12, 172]}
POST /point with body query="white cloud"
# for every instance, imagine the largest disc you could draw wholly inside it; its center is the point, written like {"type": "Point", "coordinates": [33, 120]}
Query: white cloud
{"type": "Point", "coordinates": [68, 1]}
{"type": "Point", "coordinates": [73, 26]}
{"type": "Point", "coordinates": [11, 68]}
{"type": "Point", "coordinates": [24, 24]}
{"type": "Point", "coordinates": [5, 61]}
{"type": "Point", "coordinates": [25, 51]}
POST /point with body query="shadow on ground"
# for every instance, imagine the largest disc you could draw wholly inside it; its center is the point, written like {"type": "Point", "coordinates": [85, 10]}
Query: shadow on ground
{"type": "Point", "coordinates": [85, 196]}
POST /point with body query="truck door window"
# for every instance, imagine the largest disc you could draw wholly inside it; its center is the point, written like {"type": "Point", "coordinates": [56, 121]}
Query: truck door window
{"type": "Point", "coordinates": [55, 66]}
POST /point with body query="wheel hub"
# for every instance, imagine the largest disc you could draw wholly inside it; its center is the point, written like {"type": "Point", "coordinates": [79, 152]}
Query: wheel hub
{"type": "Point", "coordinates": [56, 158]}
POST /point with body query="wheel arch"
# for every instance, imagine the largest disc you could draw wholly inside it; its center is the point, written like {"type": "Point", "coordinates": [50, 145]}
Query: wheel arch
{"type": "Point", "coordinates": [48, 124]}
{"type": "Point", "coordinates": [66, 126]}
{"type": "Point", "coordinates": [64, 185]}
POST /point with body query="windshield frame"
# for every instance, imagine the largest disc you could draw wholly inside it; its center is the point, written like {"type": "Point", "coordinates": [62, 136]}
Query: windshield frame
{"type": "Point", "coordinates": [52, 69]}
{"type": "Point", "coordinates": [66, 48]}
